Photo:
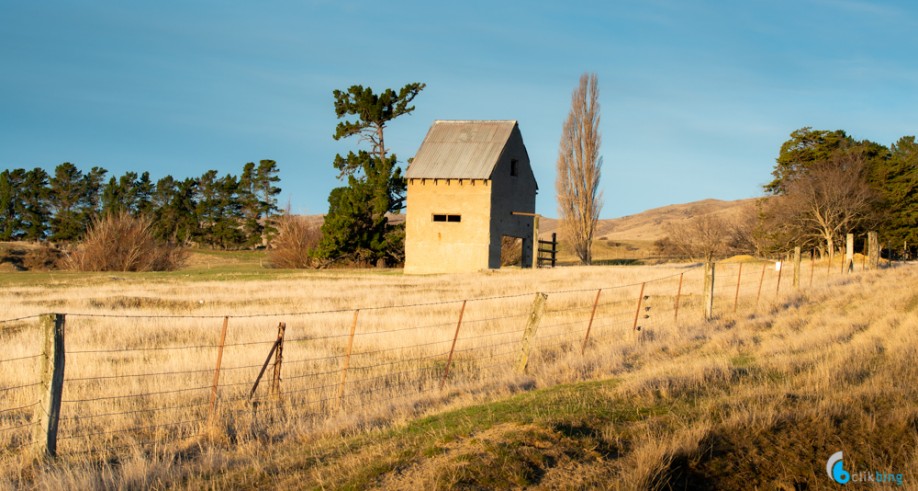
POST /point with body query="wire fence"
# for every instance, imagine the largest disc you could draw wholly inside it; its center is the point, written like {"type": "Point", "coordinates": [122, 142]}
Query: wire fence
{"type": "Point", "coordinates": [138, 381]}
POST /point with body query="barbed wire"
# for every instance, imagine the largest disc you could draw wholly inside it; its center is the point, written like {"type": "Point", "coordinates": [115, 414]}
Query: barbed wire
{"type": "Point", "coordinates": [135, 411]}
{"type": "Point", "coordinates": [21, 358]}
{"type": "Point", "coordinates": [33, 316]}
{"type": "Point", "coordinates": [13, 428]}
{"type": "Point", "coordinates": [134, 429]}
{"type": "Point", "coordinates": [6, 389]}
{"type": "Point", "coordinates": [129, 396]}
{"type": "Point", "coordinates": [27, 406]}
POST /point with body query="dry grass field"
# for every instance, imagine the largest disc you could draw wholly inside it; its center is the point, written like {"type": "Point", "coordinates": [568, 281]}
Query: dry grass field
{"type": "Point", "coordinates": [782, 378]}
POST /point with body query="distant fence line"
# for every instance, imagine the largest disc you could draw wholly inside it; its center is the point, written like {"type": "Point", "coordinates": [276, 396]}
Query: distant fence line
{"type": "Point", "coordinates": [322, 370]}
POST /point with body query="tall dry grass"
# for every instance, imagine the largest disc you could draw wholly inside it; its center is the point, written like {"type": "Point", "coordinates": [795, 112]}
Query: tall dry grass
{"type": "Point", "coordinates": [141, 357]}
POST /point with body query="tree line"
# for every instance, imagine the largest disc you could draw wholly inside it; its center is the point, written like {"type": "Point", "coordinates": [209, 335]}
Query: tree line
{"type": "Point", "coordinates": [826, 184]}
{"type": "Point", "coordinates": [226, 212]}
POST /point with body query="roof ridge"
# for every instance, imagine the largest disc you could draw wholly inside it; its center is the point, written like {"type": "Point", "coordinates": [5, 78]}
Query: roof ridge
{"type": "Point", "coordinates": [475, 121]}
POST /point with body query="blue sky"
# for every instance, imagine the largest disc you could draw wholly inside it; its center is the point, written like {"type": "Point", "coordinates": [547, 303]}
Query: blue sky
{"type": "Point", "coordinates": [696, 97]}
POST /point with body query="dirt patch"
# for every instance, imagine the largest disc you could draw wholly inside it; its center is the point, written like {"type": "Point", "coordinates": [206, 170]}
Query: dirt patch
{"type": "Point", "coordinates": [507, 456]}
{"type": "Point", "coordinates": [29, 257]}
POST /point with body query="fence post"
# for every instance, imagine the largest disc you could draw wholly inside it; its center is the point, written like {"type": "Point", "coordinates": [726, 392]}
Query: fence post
{"type": "Point", "coordinates": [761, 281]}
{"type": "Point", "coordinates": [532, 325]}
{"type": "Point", "coordinates": [590, 325]}
{"type": "Point", "coordinates": [739, 277]}
{"type": "Point", "coordinates": [278, 359]}
{"type": "Point", "coordinates": [797, 267]}
{"type": "Point", "coordinates": [554, 248]}
{"type": "Point", "coordinates": [449, 361]}
{"type": "Point", "coordinates": [780, 265]}
{"type": "Point", "coordinates": [708, 295]}
{"type": "Point", "coordinates": [47, 414]}
{"type": "Point", "coordinates": [535, 242]}
{"type": "Point", "coordinates": [347, 360]}
{"type": "Point", "coordinates": [213, 390]}
{"type": "Point", "coordinates": [678, 297]}
{"type": "Point", "coordinates": [849, 253]}
{"type": "Point", "coordinates": [812, 266]}
{"type": "Point", "coordinates": [264, 367]}
{"type": "Point", "coordinates": [637, 312]}
{"type": "Point", "coordinates": [873, 250]}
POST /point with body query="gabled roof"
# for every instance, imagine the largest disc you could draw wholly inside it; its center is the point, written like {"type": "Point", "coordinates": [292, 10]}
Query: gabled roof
{"type": "Point", "coordinates": [461, 150]}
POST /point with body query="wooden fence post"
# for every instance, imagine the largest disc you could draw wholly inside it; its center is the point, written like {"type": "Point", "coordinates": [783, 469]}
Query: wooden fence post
{"type": "Point", "coordinates": [849, 253]}
{"type": "Point", "coordinates": [637, 313]}
{"type": "Point", "coordinates": [812, 266]}
{"type": "Point", "coordinates": [278, 360]}
{"type": "Point", "coordinates": [264, 367]}
{"type": "Point", "coordinates": [678, 297]}
{"type": "Point", "coordinates": [590, 325]}
{"type": "Point", "coordinates": [449, 361]}
{"type": "Point", "coordinates": [708, 296]}
{"type": "Point", "coordinates": [780, 266]}
{"type": "Point", "coordinates": [213, 390]}
{"type": "Point", "coordinates": [532, 325]}
{"type": "Point", "coordinates": [739, 277]}
{"type": "Point", "coordinates": [797, 267]}
{"type": "Point", "coordinates": [873, 250]}
{"type": "Point", "coordinates": [347, 360]}
{"type": "Point", "coordinates": [758, 294]}
{"type": "Point", "coordinates": [47, 414]}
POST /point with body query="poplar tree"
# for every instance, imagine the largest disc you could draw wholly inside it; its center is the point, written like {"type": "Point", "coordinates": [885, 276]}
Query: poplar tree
{"type": "Point", "coordinates": [579, 168]}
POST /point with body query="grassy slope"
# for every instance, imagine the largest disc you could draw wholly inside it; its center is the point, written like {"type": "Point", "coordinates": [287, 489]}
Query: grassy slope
{"type": "Point", "coordinates": [759, 401]}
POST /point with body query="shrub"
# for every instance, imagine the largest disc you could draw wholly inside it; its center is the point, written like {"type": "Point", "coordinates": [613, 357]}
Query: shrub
{"type": "Point", "coordinates": [295, 243]}
{"type": "Point", "coordinates": [121, 242]}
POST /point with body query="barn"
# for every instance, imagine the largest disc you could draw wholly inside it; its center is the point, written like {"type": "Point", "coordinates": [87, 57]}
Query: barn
{"type": "Point", "coordinates": [464, 185]}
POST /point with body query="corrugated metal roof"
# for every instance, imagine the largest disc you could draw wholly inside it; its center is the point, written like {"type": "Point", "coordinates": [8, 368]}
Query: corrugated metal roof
{"type": "Point", "coordinates": [460, 150]}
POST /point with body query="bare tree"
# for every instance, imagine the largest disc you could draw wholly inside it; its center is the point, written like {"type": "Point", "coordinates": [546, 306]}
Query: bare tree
{"type": "Point", "coordinates": [579, 169]}
{"type": "Point", "coordinates": [828, 201]}
{"type": "Point", "coordinates": [702, 237]}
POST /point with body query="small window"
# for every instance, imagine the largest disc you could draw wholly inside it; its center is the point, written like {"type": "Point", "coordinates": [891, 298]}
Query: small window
{"type": "Point", "coordinates": [447, 218]}
{"type": "Point", "coordinates": [514, 167]}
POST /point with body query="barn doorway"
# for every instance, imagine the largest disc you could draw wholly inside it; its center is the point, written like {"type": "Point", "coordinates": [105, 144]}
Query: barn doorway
{"type": "Point", "coordinates": [511, 251]}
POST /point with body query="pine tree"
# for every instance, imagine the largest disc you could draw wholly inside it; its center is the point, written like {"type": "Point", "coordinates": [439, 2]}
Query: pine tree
{"type": "Point", "coordinates": [65, 195]}
{"type": "Point", "coordinates": [10, 220]}
{"type": "Point", "coordinates": [356, 227]}
{"type": "Point", "coordinates": [33, 207]}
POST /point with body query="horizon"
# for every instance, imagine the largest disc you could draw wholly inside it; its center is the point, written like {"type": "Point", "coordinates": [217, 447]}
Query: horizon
{"type": "Point", "coordinates": [696, 98]}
